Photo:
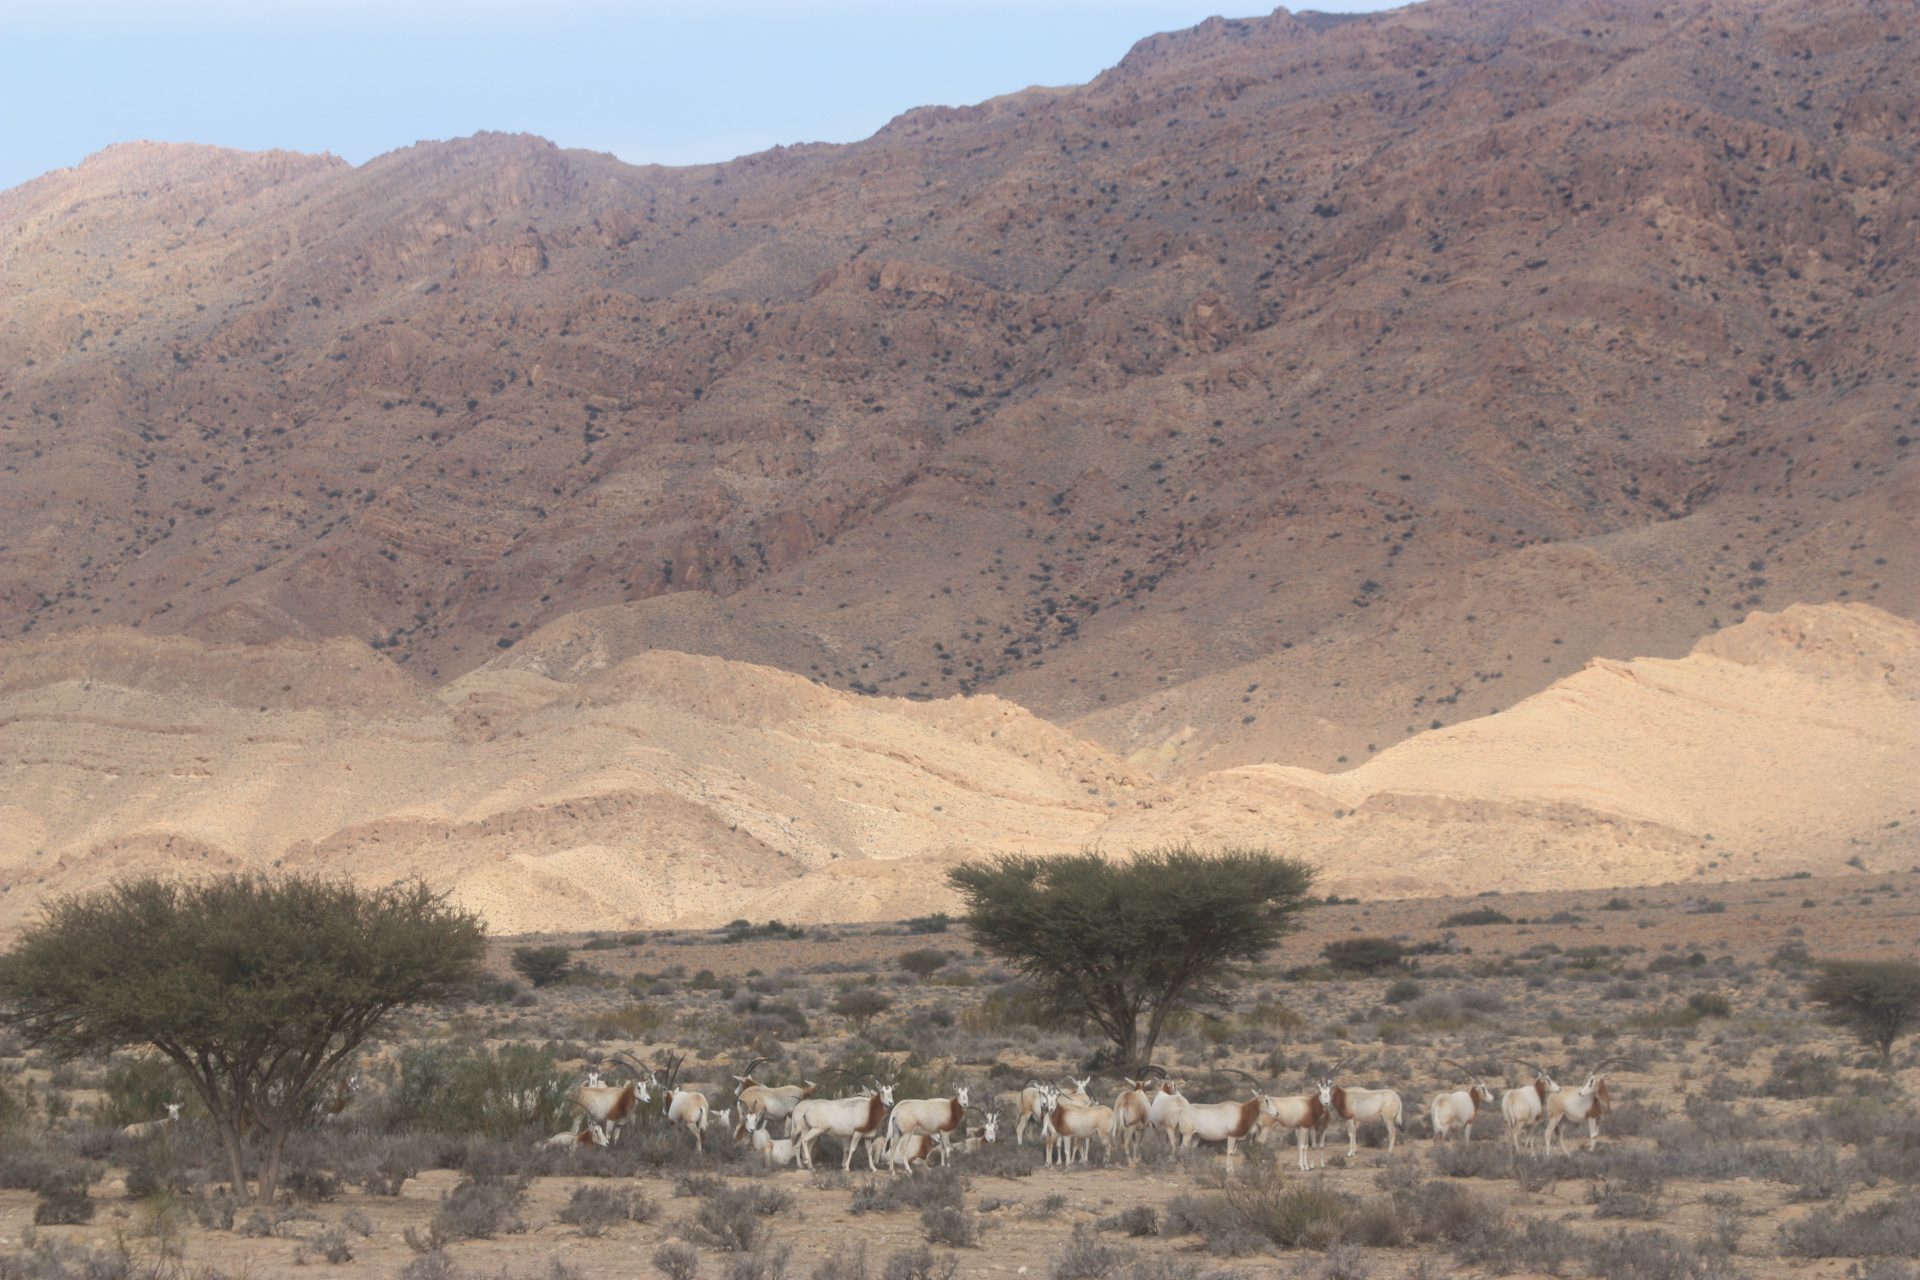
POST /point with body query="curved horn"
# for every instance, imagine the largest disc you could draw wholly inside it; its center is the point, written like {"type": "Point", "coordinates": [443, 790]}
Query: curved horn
{"type": "Point", "coordinates": [1534, 1067]}
{"type": "Point", "coordinates": [1334, 1070]}
{"type": "Point", "coordinates": [1472, 1078]}
{"type": "Point", "coordinates": [1153, 1068]}
{"type": "Point", "coordinates": [1611, 1062]}
{"type": "Point", "coordinates": [751, 1065]}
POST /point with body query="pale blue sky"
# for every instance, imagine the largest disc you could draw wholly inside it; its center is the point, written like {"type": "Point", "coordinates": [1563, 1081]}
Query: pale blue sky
{"type": "Point", "coordinates": [646, 80]}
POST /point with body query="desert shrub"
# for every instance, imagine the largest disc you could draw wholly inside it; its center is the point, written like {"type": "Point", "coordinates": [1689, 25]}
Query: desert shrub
{"type": "Point", "coordinates": [542, 966]}
{"type": "Point", "coordinates": [1087, 1257]}
{"type": "Point", "coordinates": [1888, 1229]}
{"type": "Point", "coordinates": [1364, 955]}
{"type": "Point", "coordinates": [677, 1261]}
{"type": "Point", "coordinates": [768, 1262]}
{"type": "Point", "coordinates": [860, 1006]}
{"type": "Point", "coordinates": [1637, 1197]}
{"type": "Point", "coordinates": [951, 1226]}
{"type": "Point", "coordinates": [1401, 991]}
{"type": "Point", "coordinates": [936, 1188]}
{"type": "Point", "coordinates": [478, 1211]}
{"type": "Point", "coordinates": [1286, 1212]}
{"type": "Point", "coordinates": [1476, 916]}
{"type": "Point", "coordinates": [1141, 1220]}
{"type": "Point", "coordinates": [920, 1263]}
{"type": "Point", "coordinates": [139, 1089]}
{"type": "Point", "coordinates": [62, 1199]}
{"type": "Point", "coordinates": [737, 1218]}
{"type": "Point", "coordinates": [1710, 1004]}
{"type": "Point", "coordinates": [331, 1244]}
{"type": "Point", "coordinates": [630, 1023]}
{"type": "Point", "coordinates": [1796, 1075]}
{"type": "Point", "coordinates": [924, 962]}
{"type": "Point", "coordinates": [596, 1209]}
{"type": "Point", "coordinates": [938, 922]}
{"type": "Point", "coordinates": [505, 1093]}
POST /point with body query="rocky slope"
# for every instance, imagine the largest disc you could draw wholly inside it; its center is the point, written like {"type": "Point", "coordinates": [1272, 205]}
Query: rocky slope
{"type": "Point", "coordinates": [1290, 390]}
{"type": "Point", "coordinates": [676, 788]}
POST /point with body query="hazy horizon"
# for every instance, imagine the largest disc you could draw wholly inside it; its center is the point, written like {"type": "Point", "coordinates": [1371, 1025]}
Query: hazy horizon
{"type": "Point", "coordinates": [648, 83]}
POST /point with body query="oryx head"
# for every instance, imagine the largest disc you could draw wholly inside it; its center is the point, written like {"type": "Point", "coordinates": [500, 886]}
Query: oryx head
{"type": "Point", "coordinates": [993, 1126]}
{"type": "Point", "coordinates": [960, 1095]}
{"type": "Point", "coordinates": [173, 1111]}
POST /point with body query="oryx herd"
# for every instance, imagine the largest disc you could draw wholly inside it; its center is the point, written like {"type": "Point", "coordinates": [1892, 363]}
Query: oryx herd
{"type": "Point", "coordinates": [911, 1131]}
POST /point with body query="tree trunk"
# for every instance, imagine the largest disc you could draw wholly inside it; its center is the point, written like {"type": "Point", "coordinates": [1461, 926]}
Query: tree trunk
{"type": "Point", "coordinates": [1154, 1022]}
{"type": "Point", "coordinates": [270, 1164]}
{"type": "Point", "coordinates": [236, 1155]}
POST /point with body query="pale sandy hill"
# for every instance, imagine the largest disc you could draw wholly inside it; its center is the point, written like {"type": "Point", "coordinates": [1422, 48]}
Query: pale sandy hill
{"type": "Point", "coordinates": [669, 787]}
{"type": "Point", "coordinates": [1790, 741]}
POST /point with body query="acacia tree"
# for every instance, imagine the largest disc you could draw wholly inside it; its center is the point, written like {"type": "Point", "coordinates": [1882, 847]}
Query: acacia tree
{"type": "Point", "coordinates": [1877, 1000]}
{"type": "Point", "coordinates": [1116, 941]}
{"type": "Point", "coordinates": [257, 989]}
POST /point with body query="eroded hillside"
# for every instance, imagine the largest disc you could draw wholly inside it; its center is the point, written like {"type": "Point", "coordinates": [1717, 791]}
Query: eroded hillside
{"type": "Point", "coordinates": [670, 787]}
{"type": "Point", "coordinates": [1290, 390]}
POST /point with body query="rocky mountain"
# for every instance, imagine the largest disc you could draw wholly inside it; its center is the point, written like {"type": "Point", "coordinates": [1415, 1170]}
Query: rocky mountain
{"type": "Point", "coordinates": [1294, 389]}
{"type": "Point", "coordinates": [672, 788]}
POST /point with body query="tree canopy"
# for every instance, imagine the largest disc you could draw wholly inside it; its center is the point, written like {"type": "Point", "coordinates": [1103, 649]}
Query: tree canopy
{"type": "Point", "coordinates": [1118, 940]}
{"type": "Point", "coordinates": [257, 989]}
{"type": "Point", "coordinates": [1878, 1000]}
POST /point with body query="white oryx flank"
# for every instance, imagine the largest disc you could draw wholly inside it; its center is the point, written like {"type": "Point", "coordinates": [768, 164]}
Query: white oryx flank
{"type": "Point", "coordinates": [906, 1149]}
{"type": "Point", "coordinates": [775, 1102]}
{"type": "Point", "coordinates": [1030, 1104]}
{"type": "Point", "coordinates": [153, 1128]}
{"type": "Point", "coordinates": [688, 1109]}
{"type": "Point", "coordinates": [1065, 1122]}
{"type": "Point", "coordinates": [861, 1118]}
{"type": "Point", "coordinates": [1456, 1109]}
{"type": "Point", "coordinates": [936, 1118]}
{"type": "Point", "coordinates": [1131, 1107]}
{"type": "Point", "coordinates": [1524, 1106]}
{"type": "Point", "coordinates": [1589, 1103]}
{"type": "Point", "coordinates": [1163, 1113]}
{"type": "Point", "coordinates": [1300, 1113]}
{"type": "Point", "coordinates": [612, 1107]}
{"type": "Point", "coordinates": [779, 1152]}
{"type": "Point", "coordinates": [1358, 1107]}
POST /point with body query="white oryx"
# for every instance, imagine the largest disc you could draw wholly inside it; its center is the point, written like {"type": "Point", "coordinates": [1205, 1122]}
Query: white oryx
{"type": "Point", "coordinates": [779, 1152]}
{"type": "Point", "coordinates": [936, 1118]}
{"type": "Point", "coordinates": [1524, 1106]}
{"type": "Point", "coordinates": [1227, 1122]}
{"type": "Point", "coordinates": [1131, 1107]}
{"type": "Point", "coordinates": [153, 1128]}
{"type": "Point", "coordinates": [1589, 1103]}
{"type": "Point", "coordinates": [860, 1118]}
{"type": "Point", "coordinates": [613, 1107]}
{"type": "Point", "coordinates": [988, 1132]}
{"type": "Point", "coordinates": [1029, 1108]}
{"type": "Point", "coordinates": [1064, 1122]}
{"type": "Point", "coordinates": [1456, 1109]}
{"type": "Point", "coordinates": [1300, 1113]}
{"type": "Point", "coordinates": [589, 1135]}
{"type": "Point", "coordinates": [1357, 1107]}
{"type": "Point", "coordinates": [1163, 1112]}
{"type": "Point", "coordinates": [775, 1102]}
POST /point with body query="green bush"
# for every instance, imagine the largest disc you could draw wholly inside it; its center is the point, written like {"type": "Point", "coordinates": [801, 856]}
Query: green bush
{"type": "Point", "coordinates": [1364, 955]}
{"type": "Point", "coordinates": [507, 1093]}
{"type": "Point", "coordinates": [542, 966]}
{"type": "Point", "coordinates": [1476, 916]}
